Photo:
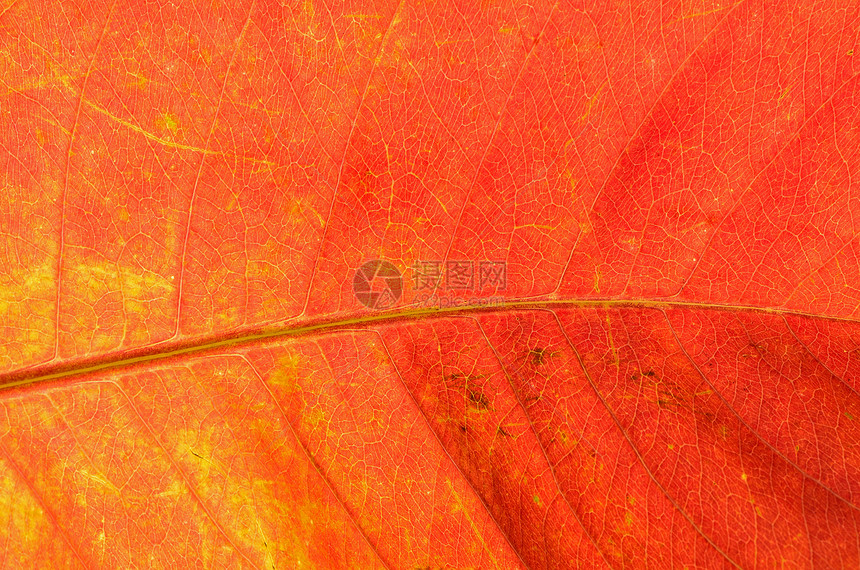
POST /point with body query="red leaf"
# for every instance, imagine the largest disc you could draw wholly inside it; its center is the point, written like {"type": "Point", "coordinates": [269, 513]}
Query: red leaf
{"type": "Point", "coordinates": [618, 324]}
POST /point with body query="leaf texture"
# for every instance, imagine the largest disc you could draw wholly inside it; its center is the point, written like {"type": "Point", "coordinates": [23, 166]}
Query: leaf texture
{"type": "Point", "coordinates": [668, 379]}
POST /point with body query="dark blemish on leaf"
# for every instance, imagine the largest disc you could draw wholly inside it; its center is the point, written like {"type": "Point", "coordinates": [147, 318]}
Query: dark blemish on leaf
{"type": "Point", "coordinates": [479, 400]}
{"type": "Point", "coordinates": [460, 379]}
{"type": "Point", "coordinates": [636, 376]}
{"type": "Point", "coordinates": [462, 428]}
{"type": "Point", "coordinates": [537, 355]}
{"type": "Point", "coordinates": [194, 453]}
{"type": "Point", "coordinates": [502, 431]}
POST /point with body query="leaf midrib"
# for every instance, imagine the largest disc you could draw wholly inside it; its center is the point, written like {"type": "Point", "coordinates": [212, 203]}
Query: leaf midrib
{"type": "Point", "coordinates": [134, 357]}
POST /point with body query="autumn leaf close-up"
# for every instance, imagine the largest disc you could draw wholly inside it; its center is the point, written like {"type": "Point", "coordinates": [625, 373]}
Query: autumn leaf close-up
{"type": "Point", "coordinates": [429, 285]}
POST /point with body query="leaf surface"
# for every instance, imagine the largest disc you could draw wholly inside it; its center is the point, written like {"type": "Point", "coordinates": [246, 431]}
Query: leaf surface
{"type": "Point", "coordinates": [667, 377]}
